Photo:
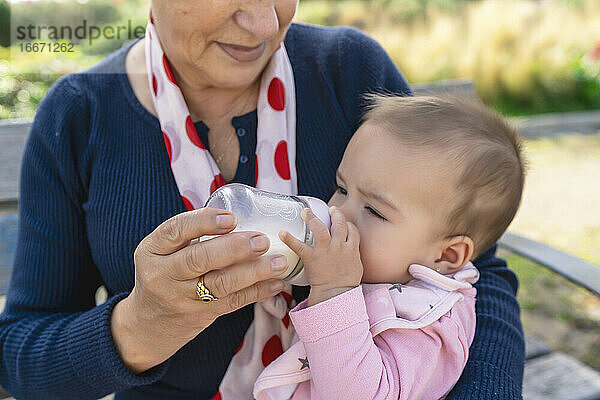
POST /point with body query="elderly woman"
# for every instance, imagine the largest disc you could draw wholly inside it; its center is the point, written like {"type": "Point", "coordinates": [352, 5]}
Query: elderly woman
{"type": "Point", "coordinates": [217, 91]}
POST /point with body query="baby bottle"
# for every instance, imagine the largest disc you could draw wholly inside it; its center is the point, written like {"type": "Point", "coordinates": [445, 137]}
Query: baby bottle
{"type": "Point", "coordinates": [269, 213]}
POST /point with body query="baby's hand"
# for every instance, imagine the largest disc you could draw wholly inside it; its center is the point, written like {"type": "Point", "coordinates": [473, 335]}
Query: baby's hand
{"type": "Point", "coordinates": [332, 265]}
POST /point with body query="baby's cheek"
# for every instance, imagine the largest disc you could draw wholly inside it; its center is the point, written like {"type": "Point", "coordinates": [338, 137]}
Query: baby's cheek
{"type": "Point", "coordinates": [382, 261]}
{"type": "Point", "coordinates": [369, 260]}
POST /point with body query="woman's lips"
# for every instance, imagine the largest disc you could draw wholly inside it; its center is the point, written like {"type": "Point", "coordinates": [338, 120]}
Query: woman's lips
{"type": "Point", "coordinates": [243, 53]}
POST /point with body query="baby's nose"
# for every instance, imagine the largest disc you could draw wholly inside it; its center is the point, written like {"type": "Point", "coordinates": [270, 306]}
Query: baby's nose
{"type": "Point", "coordinates": [346, 211]}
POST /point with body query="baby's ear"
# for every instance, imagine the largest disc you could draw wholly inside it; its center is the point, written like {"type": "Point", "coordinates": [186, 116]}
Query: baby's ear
{"type": "Point", "coordinates": [454, 253]}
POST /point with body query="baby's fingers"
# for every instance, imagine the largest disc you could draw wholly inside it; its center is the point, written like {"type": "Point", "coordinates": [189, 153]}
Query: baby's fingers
{"type": "Point", "coordinates": [339, 229]}
{"type": "Point", "coordinates": [298, 246]}
{"type": "Point", "coordinates": [317, 227]}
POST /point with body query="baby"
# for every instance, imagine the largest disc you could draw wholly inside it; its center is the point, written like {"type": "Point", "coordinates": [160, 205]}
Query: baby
{"type": "Point", "coordinates": [426, 184]}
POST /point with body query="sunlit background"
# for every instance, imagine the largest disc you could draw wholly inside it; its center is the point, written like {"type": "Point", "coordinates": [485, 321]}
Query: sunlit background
{"type": "Point", "coordinates": [525, 58]}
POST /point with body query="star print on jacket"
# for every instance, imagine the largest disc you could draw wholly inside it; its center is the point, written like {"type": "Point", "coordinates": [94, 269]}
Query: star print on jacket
{"type": "Point", "coordinates": [304, 362]}
{"type": "Point", "coordinates": [396, 286]}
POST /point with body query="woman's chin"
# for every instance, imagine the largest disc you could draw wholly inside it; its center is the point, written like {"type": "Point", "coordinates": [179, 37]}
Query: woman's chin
{"type": "Point", "coordinates": [233, 82]}
{"type": "Point", "coordinates": [231, 73]}
{"type": "Point", "coordinates": [236, 77]}
{"type": "Point", "coordinates": [224, 71]}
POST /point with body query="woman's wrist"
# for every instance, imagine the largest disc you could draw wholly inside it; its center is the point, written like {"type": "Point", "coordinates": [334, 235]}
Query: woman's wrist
{"type": "Point", "coordinates": [128, 336]}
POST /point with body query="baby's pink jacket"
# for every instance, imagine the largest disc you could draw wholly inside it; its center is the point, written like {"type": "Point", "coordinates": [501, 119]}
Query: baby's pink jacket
{"type": "Point", "coordinates": [376, 341]}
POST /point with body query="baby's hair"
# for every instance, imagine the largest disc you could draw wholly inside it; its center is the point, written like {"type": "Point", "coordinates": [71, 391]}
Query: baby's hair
{"type": "Point", "coordinates": [480, 145]}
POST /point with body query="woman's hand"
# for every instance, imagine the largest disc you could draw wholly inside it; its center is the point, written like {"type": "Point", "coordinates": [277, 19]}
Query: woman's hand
{"type": "Point", "coordinates": [163, 311]}
{"type": "Point", "coordinates": [332, 265]}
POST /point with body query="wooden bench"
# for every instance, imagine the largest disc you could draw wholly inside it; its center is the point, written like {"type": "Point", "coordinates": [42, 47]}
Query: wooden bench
{"type": "Point", "coordinates": [548, 375]}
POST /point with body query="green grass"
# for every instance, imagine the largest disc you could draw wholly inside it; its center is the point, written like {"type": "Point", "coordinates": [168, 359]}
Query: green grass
{"type": "Point", "coordinates": [560, 207]}
{"type": "Point", "coordinates": [562, 194]}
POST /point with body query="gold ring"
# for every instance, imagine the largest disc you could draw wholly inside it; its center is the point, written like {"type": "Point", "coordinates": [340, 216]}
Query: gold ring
{"type": "Point", "coordinates": [203, 292]}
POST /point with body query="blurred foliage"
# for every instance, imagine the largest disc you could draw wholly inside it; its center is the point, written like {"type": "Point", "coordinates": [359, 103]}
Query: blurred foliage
{"type": "Point", "coordinates": [4, 23]}
{"type": "Point", "coordinates": [525, 56]}
{"type": "Point", "coordinates": [70, 13]}
{"type": "Point", "coordinates": [369, 13]}
{"type": "Point", "coordinates": [26, 77]}
{"type": "Point", "coordinates": [74, 14]}
{"type": "Point", "coordinates": [24, 81]}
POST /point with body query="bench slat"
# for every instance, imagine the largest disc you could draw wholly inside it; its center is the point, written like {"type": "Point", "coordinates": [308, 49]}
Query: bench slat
{"type": "Point", "coordinates": [8, 243]}
{"type": "Point", "coordinates": [456, 87]}
{"type": "Point", "coordinates": [13, 135]}
{"type": "Point", "coordinates": [558, 124]}
{"type": "Point", "coordinates": [575, 269]}
{"type": "Point", "coordinates": [535, 348]}
{"type": "Point", "coordinates": [557, 376]}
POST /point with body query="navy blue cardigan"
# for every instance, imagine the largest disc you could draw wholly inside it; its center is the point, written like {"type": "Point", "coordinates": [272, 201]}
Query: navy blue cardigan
{"type": "Point", "coordinates": [96, 180]}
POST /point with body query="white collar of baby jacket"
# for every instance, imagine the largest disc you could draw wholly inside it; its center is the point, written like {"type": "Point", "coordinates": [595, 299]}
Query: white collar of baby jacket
{"type": "Point", "coordinates": [419, 302]}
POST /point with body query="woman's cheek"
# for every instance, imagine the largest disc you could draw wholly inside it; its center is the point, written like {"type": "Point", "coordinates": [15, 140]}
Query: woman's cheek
{"type": "Point", "coordinates": [286, 9]}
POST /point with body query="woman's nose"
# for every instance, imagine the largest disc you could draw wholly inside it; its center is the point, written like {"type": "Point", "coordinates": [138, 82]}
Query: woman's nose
{"type": "Point", "coordinates": [259, 18]}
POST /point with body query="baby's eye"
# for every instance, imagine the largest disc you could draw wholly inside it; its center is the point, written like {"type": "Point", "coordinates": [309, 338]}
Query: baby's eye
{"type": "Point", "coordinates": [340, 189]}
{"type": "Point", "coordinates": [374, 212]}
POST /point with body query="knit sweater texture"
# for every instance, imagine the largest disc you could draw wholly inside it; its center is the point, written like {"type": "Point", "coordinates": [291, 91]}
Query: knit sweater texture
{"type": "Point", "coordinates": [96, 180]}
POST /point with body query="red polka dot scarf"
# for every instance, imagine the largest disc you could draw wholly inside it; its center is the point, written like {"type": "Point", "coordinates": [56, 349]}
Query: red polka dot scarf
{"type": "Point", "coordinates": [196, 173]}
